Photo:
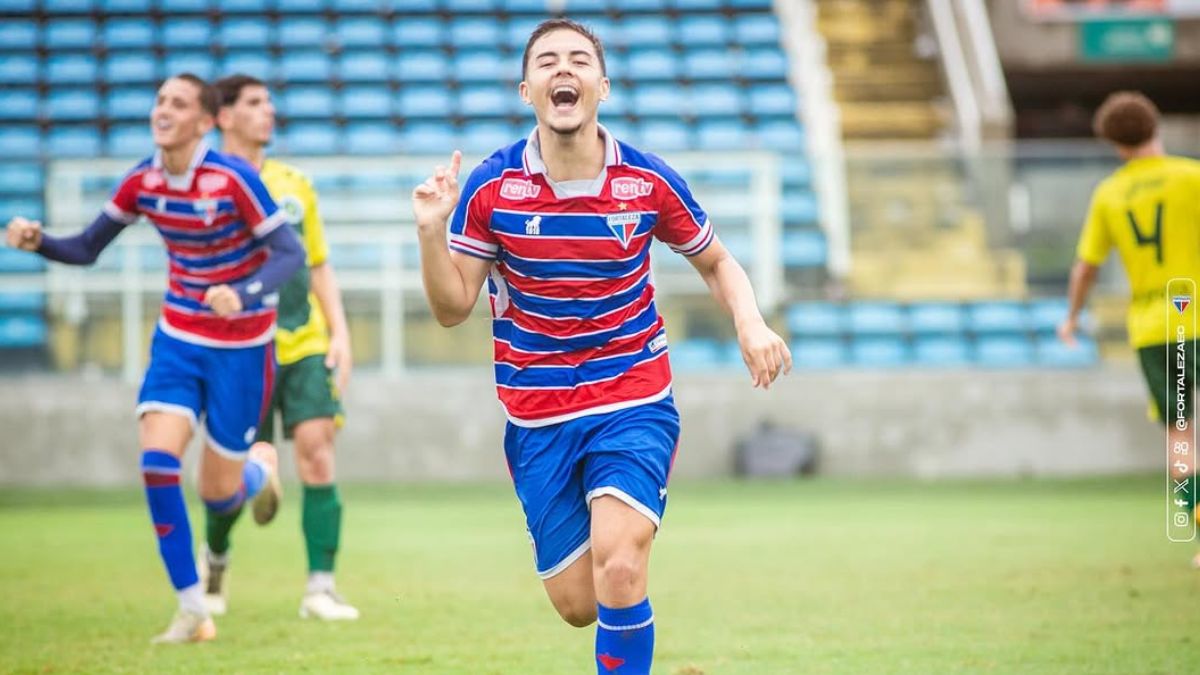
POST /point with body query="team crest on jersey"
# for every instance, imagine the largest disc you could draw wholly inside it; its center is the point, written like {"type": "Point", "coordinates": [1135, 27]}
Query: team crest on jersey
{"type": "Point", "coordinates": [629, 187]}
{"type": "Point", "coordinates": [624, 225]}
{"type": "Point", "coordinates": [1181, 302]}
{"type": "Point", "coordinates": [517, 189]}
{"type": "Point", "coordinates": [211, 182]}
{"type": "Point", "coordinates": [293, 209]}
{"type": "Point", "coordinates": [152, 179]}
{"type": "Point", "coordinates": [533, 226]}
{"type": "Point", "coordinates": [206, 207]}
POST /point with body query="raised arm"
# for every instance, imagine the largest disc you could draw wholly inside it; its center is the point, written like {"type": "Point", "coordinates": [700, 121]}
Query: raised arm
{"type": "Point", "coordinates": [78, 249]}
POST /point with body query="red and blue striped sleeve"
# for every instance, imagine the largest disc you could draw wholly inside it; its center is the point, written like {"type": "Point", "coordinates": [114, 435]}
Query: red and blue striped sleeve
{"type": "Point", "coordinates": [470, 228]}
{"type": "Point", "coordinates": [254, 203]}
{"type": "Point", "coordinates": [122, 205]}
{"type": "Point", "coordinates": [682, 224]}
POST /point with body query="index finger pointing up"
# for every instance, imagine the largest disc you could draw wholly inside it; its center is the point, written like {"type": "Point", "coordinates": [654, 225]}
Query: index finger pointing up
{"type": "Point", "coordinates": [455, 163]}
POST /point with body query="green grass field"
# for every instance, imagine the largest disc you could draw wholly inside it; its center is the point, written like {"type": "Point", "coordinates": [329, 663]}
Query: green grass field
{"type": "Point", "coordinates": [774, 578]}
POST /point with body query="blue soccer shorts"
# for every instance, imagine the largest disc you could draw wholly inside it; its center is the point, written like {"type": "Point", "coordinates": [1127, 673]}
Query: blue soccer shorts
{"type": "Point", "coordinates": [559, 469]}
{"type": "Point", "coordinates": [226, 388]}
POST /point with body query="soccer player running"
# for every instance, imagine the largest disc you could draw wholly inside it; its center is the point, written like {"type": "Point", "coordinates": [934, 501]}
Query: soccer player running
{"type": "Point", "coordinates": [211, 361]}
{"type": "Point", "coordinates": [1149, 210]}
{"type": "Point", "coordinates": [560, 226]}
{"type": "Point", "coordinates": [312, 345]}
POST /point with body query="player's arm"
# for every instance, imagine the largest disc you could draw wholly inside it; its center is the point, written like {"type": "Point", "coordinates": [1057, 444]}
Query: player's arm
{"type": "Point", "coordinates": [329, 295]}
{"type": "Point", "coordinates": [452, 279]}
{"type": "Point", "coordinates": [765, 353]}
{"type": "Point", "coordinates": [78, 249]}
{"type": "Point", "coordinates": [1093, 249]}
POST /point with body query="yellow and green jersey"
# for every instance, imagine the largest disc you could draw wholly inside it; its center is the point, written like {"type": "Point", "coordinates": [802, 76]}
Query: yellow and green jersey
{"type": "Point", "coordinates": [302, 330]}
{"type": "Point", "coordinates": [1149, 210]}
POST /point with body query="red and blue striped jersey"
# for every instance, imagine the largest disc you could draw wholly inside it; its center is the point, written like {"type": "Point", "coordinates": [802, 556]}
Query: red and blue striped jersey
{"type": "Point", "coordinates": [211, 219]}
{"type": "Point", "coordinates": [574, 324]}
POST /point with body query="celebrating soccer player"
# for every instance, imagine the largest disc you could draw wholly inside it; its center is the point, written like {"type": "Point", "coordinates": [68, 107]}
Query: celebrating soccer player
{"type": "Point", "coordinates": [560, 226]}
{"type": "Point", "coordinates": [312, 348]}
{"type": "Point", "coordinates": [211, 360]}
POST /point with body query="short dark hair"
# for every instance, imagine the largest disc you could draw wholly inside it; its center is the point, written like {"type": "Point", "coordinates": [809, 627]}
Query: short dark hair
{"type": "Point", "coordinates": [209, 99]}
{"type": "Point", "coordinates": [230, 87]}
{"type": "Point", "coordinates": [1126, 118]}
{"type": "Point", "coordinates": [562, 23]}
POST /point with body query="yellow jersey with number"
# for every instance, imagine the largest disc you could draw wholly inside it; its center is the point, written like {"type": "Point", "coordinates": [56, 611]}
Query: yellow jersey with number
{"type": "Point", "coordinates": [1149, 210]}
{"type": "Point", "coordinates": [301, 331]}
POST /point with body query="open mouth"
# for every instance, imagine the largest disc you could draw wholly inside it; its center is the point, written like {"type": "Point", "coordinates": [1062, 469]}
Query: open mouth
{"type": "Point", "coordinates": [564, 97]}
{"type": "Point", "coordinates": [162, 124]}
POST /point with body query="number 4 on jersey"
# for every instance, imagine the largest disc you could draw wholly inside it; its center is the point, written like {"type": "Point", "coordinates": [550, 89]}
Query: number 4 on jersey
{"type": "Point", "coordinates": [1155, 238]}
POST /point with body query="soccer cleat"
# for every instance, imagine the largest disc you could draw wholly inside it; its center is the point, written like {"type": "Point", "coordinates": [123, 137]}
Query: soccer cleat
{"type": "Point", "coordinates": [187, 627]}
{"type": "Point", "coordinates": [214, 577]}
{"type": "Point", "coordinates": [266, 502]}
{"type": "Point", "coordinates": [327, 606]}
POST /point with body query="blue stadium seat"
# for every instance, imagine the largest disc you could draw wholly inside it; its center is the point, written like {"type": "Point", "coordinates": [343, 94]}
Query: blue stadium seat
{"type": "Point", "coordinates": [356, 256]}
{"type": "Point", "coordinates": [71, 69]}
{"type": "Point", "coordinates": [517, 33]}
{"type": "Point", "coordinates": [25, 7]}
{"type": "Point", "coordinates": [1051, 352]}
{"type": "Point", "coordinates": [255, 64]}
{"type": "Point", "coordinates": [415, 6]}
{"type": "Point", "coordinates": [1003, 352]}
{"type": "Point", "coordinates": [353, 6]}
{"type": "Point", "coordinates": [813, 354]}
{"type": "Point", "coordinates": [310, 66]}
{"type": "Point", "coordinates": [617, 103]}
{"type": "Point", "coordinates": [486, 137]}
{"type": "Point", "coordinates": [369, 66]}
{"type": "Point", "coordinates": [936, 318]}
{"type": "Point", "coordinates": [652, 64]}
{"type": "Point", "coordinates": [1046, 313]}
{"type": "Point", "coordinates": [20, 141]}
{"type": "Point", "coordinates": [750, 5]}
{"type": "Point", "coordinates": [941, 351]}
{"type": "Point", "coordinates": [716, 100]}
{"type": "Point", "coordinates": [703, 31]}
{"type": "Point", "coordinates": [524, 6]}
{"type": "Point", "coordinates": [20, 177]}
{"type": "Point", "coordinates": [180, 33]}
{"type": "Point", "coordinates": [455, 7]}
{"type": "Point", "coordinates": [772, 99]}
{"type": "Point", "coordinates": [307, 102]}
{"type": "Point", "coordinates": [126, 6]}
{"type": "Point", "coordinates": [18, 69]}
{"type": "Point", "coordinates": [997, 317]}
{"type": "Point", "coordinates": [427, 138]}
{"type": "Point", "coordinates": [638, 5]}
{"type": "Point", "coordinates": [19, 35]}
{"type": "Point", "coordinates": [367, 32]}
{"type": "Point", "coordinates": [658, 101]}
{"type": "Point", "coordinates": [708, 64]}
{"type": "Point", "coordinates": [615, 65]}
{"type": "Point", "coordinates": [365, 102]}
{"type": "Point", "coordinates": [880, 352]}
{"type": "Point", "coordinates": [804, 248]}
{"type": "Point", "coordinates": [764, 64]}
{"type": "Point", "coordinates": [22, 331]}
{"type": "Point", "coordinates": [184, 6]}
{"type": "Point", "coordinates": [129, 140]}
{"type": "Point", "coordinates": [411, 32]}
{"type": "Point", "coordinates": [604, 28]}
{"type": "Point", "coordinates": [302, 31]}
{"type": "Point", "coordinates": [784, 135]}
{"type": "Point", "coordinates": [129, 68]}
{"type": "Point", "coordinates": [474, 33]}
{"type": "Point", "coordinates": [73, 142]}
{"type": "Point", "coordinates": [798, 207]}
{"type": "Point", "coordinates": [692, 6]}
{"type": "Point", "coordinates": [244, 6]}
{"type": "Point", "coordinates": [198, 63]}
{"type": "Point", "coordinates": [422, 66]}
{"type": "Point", "coordinates": [645, 31]}
{"type": "Point", "coordinates": [129, 34]}
{"type": "Point", "coordinates": [877, 318]}
{"type": "Point", "coordinates": [619, 127]}
{"type": "Point", "coordinates": [756, 29]}
{"type": "Point", "coordinates": [696, 354]}
{"type": "Point", "coordinates": [245, 33]}
{"type": "Point", "coordinates": [19, 104]}
{"type": "Point", "coordinates": [739, 244]}
{"type": "Point", "coordinates": [484, 101]}
{"type": "Point", "coordinates": [72, 105]}
{"type": "Point", "coordinates": [67, 6]}
{"type": "Point", "coordinates": [480, 66]}
{"type": "Point", "coordinates": [13, 261]}
{"type": "Point", "coordinates": [577, 7]}
{"type": "Point", "coordinates": [26, 207]}
{"type": "Point", "coordinates": [722, 135]}
{"type": "Point", "coordinates": [426, 101]}
{"type": "Point", "coordinates": [60, 34]}
{"type": "Point", "coordinates": [664, 136]}
{"type": "Point", "coordinates": [22, 301]}
{"type": "Point", "coordinates": [808, 319]}
{"type": "Point", "coordinates": [796, 173]}
{"type": "Point", "coordinates": [311, 138]}
{"type": "Point", "coordinates": [372, 138]}
{"type": "Point", "coordinates": [301, 6]}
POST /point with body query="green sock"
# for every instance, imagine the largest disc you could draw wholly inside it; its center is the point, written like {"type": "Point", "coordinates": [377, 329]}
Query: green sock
{"type": "Point", "coordinates": [322, 522]}
{"type": "Point", "coordinates": [217, 528]}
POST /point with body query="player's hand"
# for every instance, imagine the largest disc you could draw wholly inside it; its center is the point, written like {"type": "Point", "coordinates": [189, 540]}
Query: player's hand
{"type": "Point", "coordinates": [1066, 331]}
{"type": "Point", "coordinates": [765, 353]}
{"type": "Point", "coordinates": [24, 234]}
{"type": "Point", "coordinates": [435, 199]}
{"type": "Point", "coordinates": [223, 299]}
{"type": "Point", "coordinates": [340, 360]}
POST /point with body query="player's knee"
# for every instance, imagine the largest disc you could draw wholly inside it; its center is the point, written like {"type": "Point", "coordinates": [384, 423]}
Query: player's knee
{"type": "Point", "coordinates": [218, 489]}
{"type": "Point", "coordinates": [619, 574]}
{"type": "Point", "coordinates": [313, 441]}
{"type": "Point", "coordinates": [577, 613]}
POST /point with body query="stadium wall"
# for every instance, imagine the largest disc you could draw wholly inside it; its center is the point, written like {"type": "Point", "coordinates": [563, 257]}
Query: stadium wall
{"type": "Point", "coordinates": [448, 427]}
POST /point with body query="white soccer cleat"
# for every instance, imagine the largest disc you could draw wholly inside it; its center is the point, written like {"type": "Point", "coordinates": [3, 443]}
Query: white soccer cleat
{"type": "Point", "coordinates": [187, 627]}
{"type": "Point", "coordinates": [266, 503]}
{"type": "Point", "coordinates": [214, 579]}
{"type": "Point", "coordinates": [327, 606]}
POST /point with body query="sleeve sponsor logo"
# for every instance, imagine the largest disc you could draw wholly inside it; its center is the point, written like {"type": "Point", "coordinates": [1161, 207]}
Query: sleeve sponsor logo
{"type": "Point", "coordinates": [630, 187]}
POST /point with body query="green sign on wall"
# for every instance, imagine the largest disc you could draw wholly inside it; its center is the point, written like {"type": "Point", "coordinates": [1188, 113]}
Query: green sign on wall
{"type": "Point", "coordinates": [1118, 40]}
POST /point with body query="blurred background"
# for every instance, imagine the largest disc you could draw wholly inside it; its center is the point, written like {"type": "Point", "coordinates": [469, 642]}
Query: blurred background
{"type": "Point", "coordinates": [904, 180]}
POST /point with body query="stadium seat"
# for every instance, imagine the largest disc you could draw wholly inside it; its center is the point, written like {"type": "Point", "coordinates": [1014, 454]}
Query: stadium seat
{"type": "Point", "coordinates": [658, 101]}
{"type": "Point", "coordinates": [617, 126]}
{"type": "Point", "coordinates": [309, 66]}
{"type": "Point", "coordinates": [474, 33]}
{"type": "Point", "coordinates": [359, 6]}
{"type": "Point", "coordinates": [484, 101]}
{"type": "Point", "coordinates": [20, 177]}
{"type": "Point", "coordinates": [750, 5]}
{"type": "Point", "coordinates": [26, 207]}
{"type": "Point", "coordinates": [716, 100]}
{"type": "Point", "coordinates": [877, 318]}
{"type": "Point", "coordinates": [72, 105]}
{"type": "Point", "coordinates": [128, 68]}
{"type": "Point", "coordinates": [425, 101]}
{"type": "Point", "coordinates": [664, 136]}
{"type": "Point", "coordinates": [22, 331]}
{"type": "Point", "coordinates": [19, 104]}
{"type": "Point", "coordinates": [997, 317]}
{"type": "Point", "coordinates": [1003, 352]}
{"type": "Point", "coordinates": [18, 69]}
{"type": "Point", "coordinates": [938, 351]}
{"type": "Point", "coordinates": [24, 7]}
{"type": "Point", "coordinates": [20, 141]}
{"type": "Point", "coordinates": [1046, 313]}
{"type": "Point", "coordinates": [301, 6]}
{"type": "Point", "coordinates": [369, 66]}
{"type": "Point", "coordinates": [129, 34]}
{"type": "Point", "coordinates": [796, 173]}
{"type": "Point", "coordinates": [756, 29]}
{"type": "Point", "coordinates": [19, 35]}
{"type": "Point", "coordinates": [708, 64]}
{"type": "Point", "coordinates": [311, 138]}
{"type": "Point", "coordinates": [372, 138]}
{"type": "Point", "coordinates": [804, 248]}
{"type": "Point", "coordinates": [763, 64]}
{"type": "Point", "coordinates": [645, 31]}
{"type": "Point", "coordinates": [197, 63]}
{"type": "Point", "coordinates": [414, 7]}
{"type": "Point", "coordinates": [813, 354]}
{"type": "Point", "coordinates": [1052, 352]}
{"type": "Point", "coordinates": [129, 140]}
{"type": "Point", "coordinates": [255, 64]}
{"type": "Point", "coordinates": [422, 66]}
{"type": "Point", "coordinates": [617, 103]}
{"type": "Point", "coordinates": [62, 34]}
{"type": "Point", "coordinates": [517, 33]}
{"type": "Point", "coordinates": [695, 354]}
{"type": "Point", "coordinates": [259, 7]}
{"type": "Point", "coordinates": [22, 301]}
{"type": "Point", "coordinates": [170, 7]}
{"type": "Point", "coordinates": [772, 99]}
{"type": "Point", "coordinates": [302, 31]}
{"type": "Point", "coordinates": [652, 64]}
{"type": "Point", "coordinates": [67, 6]}
{"type": "Point", "coordinates": [245, 33]}
{"type": "Point", "coordinates": [810, 319]}
{"type": "Point", "coordinates": [783, 135]}
{"type": "Point", "coordinates": [126, 6]}
{"type": "Point", "coordinates": [365, 32]}
{"type": "Point", "coordinates": [603, 27]}
{"type": "Point", "coordinates": [524, 7]}
{"type": "Point", "coordinates": [427, 138]}
{"type": "Point", "coordinates": [359, 102]}
{"type": "Point", "coordinates": [307, 102]}
{"type": "Point", "coordinates": [623, 6]}
{"type": "Point", "coordinates": [73, 142]}
{"type": "Point", "coordinates": [703, 31]}
{"type": "Point", "coordinates": [182, 33]}
{"type": "Point", "coordinates": [486, 137]}
{"type": "Point", "coordinates": [936, 318]}
{"type": "Point", "coordinates": [880, 352]}
{"type": "Point", "coordinates": [71, 69]}
{"type": "Point", "coordinates": [578, 7]}
{"type": "Point", "coordinates": [692, 6]}
{"type": "Point", "coordinates": [739, 244]}
{"type": "Point", "coordinates": [13, 261]}
{"type": "Point", "coordinates": [456, 7]}
{"type": "Point", "coordinates": [722, 135]}
{"type": "Point", "coordinates": [615, 65]}
{"type": "Point", "coordinates": [798, 207]}
{"type": "Point", "coordinates": [480, 66]}
{"type": "Point", "coordinates": [413, 32]}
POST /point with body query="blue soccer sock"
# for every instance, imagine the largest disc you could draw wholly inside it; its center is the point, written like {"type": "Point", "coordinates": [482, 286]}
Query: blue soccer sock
{"type": "Point", "coordinates": [160, 473]}
{"type": "Point", "coordinates": [625, 639]}
{"type": "Point", "coordinates": [254, 476]}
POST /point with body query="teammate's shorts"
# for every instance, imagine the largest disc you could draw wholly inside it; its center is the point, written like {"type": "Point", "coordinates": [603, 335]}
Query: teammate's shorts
{"type": "Point", "coordinates": [226, 388]}
{"type": "Point", "coordinates": [304, 390]}
{"type": "Point", "coordinates": [1160, 367]}
{"type": "Point", "coordinates": [559, 469]}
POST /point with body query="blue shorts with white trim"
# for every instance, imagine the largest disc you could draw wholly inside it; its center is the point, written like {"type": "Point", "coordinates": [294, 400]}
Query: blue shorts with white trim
{"type": "Point", "coordinates": [558, 469]}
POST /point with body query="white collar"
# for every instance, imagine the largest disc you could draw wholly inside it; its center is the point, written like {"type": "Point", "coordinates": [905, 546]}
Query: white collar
{"type": "Point", "coordinates": [182, 182]}
{"type": "Point", "coordinates": [533, 152]}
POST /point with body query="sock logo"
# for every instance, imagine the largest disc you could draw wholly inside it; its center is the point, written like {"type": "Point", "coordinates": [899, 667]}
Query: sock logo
{"type": "Point", "coordinates": [163, 529]}
{"type": "Point", "coordinates": [610, 663]}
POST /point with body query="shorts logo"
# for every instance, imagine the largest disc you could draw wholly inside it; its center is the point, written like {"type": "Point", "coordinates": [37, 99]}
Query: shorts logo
{"type": "Point", "coordinates": [1181, 302]}
{"type": "Point", "coordinates": [623, 226]}
{"type": "Point", "coordinates": [516, 189]}
{"type": "Point", "coordinates": [662, 493]}
{"type": "Point", "coordinates": [211, 182]}
{"type": "Point", "coordinates": [250, 434]}
{"type": "Point", "coordinates": [152, 180]}
{"type": "Point", "coordinates": [629, 187]}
